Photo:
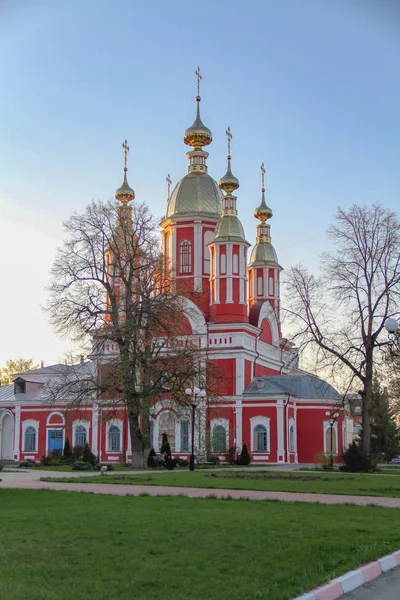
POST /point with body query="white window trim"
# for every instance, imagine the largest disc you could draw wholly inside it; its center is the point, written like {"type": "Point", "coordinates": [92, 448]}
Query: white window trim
{"type": "Point", "coordinates": [225, 424]}
{"type": "Point", "coordinates": [56, 425]}
{"type": "Point", "coordinates": [30, 423]}
{"type": "Point", "coordinates": [254, 421]}
{"type": "Point", "coordinates": [76, 424]}
{"type": "Point", "coordinates": [335, 427]}
{"type": "Point", "coordinates": [110, 423]}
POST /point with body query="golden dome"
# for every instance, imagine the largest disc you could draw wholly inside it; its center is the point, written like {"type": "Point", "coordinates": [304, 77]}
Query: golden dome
{"type": "Point", "coordinates": [228, 182]}
{"type": "Point", "coordinates": [263, 212]}
{"type": "Point", "coordinates": [125, 193]}
{"type": "Point", "coordinates": [195, 194]}
{"type": "Point", "coordinates": [198, 134]}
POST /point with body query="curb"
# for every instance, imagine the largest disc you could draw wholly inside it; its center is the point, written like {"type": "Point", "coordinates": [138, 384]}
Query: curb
{"type": "Point", "coordinates": [353, 579]}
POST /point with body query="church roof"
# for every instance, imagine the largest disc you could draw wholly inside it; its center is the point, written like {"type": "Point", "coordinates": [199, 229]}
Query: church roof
{"type": "Point", "coordinates": [195, 194]}
{"type": "Point", "coordinates": [300, 386]}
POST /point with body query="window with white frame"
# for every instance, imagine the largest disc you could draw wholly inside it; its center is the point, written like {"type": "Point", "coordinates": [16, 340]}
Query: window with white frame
{"type": "Point", "coordinates": [114, 438]}
{"type": "Point", "coordinates": [167, 425]}
{"type": "Point", "coordinates": [184, 425]}
{"type": "Point", "coordinates": [218, 440]}
{"type": "Point", "coordinates": [185, 256]}
{"type": "Point", "coordinates": [80, 435]}
{"type": "Point", "coordinates": [30, 439]}
{"type": "Point", "coordinates": [260, 438]}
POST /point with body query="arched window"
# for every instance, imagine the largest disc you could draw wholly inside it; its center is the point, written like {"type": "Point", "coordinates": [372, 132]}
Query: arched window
{"type": "Point", "coordinates": [114, 438]}
{"type": "Point", "coordinates": [291, 438]}
{"type": "Point", "coordinates": [219, 439]}
{"type": "Point", "coordinates": [167, 425]}
{"type": "Point", "coordinates": [260, 438]}
{"type": "Point", "coordinates": [208, 236]}
{"type": "Point", "coordinates": [184, 435]}
{"type": "Point", "coordinates": [80, 436]}
{"type": "Point", "coordinates": [185, 256]}
{"type": "Point", "coordinates": [30, 439]}
{"type": "Point", "coordinates": [235, 264]}
{"type": "Point", "coordinates": [223, 264]}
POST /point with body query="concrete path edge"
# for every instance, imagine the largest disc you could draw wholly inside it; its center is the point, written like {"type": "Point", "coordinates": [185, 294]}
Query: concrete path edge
{"type": "Point", "coordinates": [353, 579]}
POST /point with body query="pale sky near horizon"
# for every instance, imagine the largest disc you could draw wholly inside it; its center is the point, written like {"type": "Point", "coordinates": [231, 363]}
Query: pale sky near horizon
{"type": "Point", "coordinates": [311, 88]}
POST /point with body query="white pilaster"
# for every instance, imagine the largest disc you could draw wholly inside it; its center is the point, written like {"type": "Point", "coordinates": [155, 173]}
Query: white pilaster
{"type": "Point", "coordinates": [239, 376]}
{"type": "Point", "coordinates": [280, 429]}
{"type": "Point", "coordinates": [239, 426]}
{"type": "Point", "coordinates": [17, 431]}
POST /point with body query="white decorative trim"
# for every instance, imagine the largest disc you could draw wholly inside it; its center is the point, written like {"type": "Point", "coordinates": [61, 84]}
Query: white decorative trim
{"type": "Point", "coordinates": [30, 423]}
{"type": "Point", "coordinates": [260, 420]}
{"type": "Point", "coordinates": [57, 425]}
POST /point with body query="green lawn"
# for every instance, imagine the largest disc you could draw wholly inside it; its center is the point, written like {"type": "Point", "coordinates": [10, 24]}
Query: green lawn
{"type": "Point", "coordinates": [84, 546]}
{"type": "Point", "coordinates": [321, 483]}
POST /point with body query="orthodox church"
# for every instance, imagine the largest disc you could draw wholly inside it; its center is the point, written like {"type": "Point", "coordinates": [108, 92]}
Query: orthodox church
{"type": "Point", "coordinates": [281, 413]}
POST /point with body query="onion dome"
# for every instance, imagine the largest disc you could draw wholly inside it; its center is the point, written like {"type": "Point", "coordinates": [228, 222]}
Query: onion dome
{"type": "Point", "coordinates": [125, 193]}
{"type": "Point", "coordinates": [263, 212]}
{"type": "Point", "coordinates": [198, 134]}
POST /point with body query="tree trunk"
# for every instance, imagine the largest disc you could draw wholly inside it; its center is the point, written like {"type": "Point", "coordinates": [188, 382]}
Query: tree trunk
{"type": "Point", "coordinates": [140, 445]}
{"type": "Point", "coordinates": [367, 403]}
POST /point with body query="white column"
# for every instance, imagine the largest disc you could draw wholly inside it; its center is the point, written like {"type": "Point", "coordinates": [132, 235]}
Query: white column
{"type": "Point", "coordinates": [280, 428]}
{"type": "Point", "coordinates": [95, 428]}
{"type": "Point", "coordinates": [198, 252]}
{"type": "Point", "coordinates": [17, 430]}
{"type": "Point", "coordinates": [239, 426]}
{"type": "Point", "coordinates": [239, 376]}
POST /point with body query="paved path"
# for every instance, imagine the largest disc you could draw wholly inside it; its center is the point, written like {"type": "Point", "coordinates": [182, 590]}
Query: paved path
{"type": "Point", "coordinates": [137, 490]}
{"type": "Point", "coordinates": [385, 587]}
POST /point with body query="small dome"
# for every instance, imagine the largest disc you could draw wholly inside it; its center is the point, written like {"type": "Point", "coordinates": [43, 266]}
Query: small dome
{"type": "Point", "coordinates": [263, 212]}
{"type": "Point", "coordinates": [198, 134]}
{"type": "Point", "coordinates": [228, 182]}
{"type": "Point", "coordinates": [230, 228]}
{"type": "Point", "coordinates": [125, 193]}
{"type": "Point", "coordinates": [195, 194]}
{"type": "Point", "coordinates": [263, 252]}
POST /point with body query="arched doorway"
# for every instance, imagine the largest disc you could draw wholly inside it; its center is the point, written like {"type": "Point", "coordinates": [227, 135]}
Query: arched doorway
{"type": "Point", "coordinates": [6, 438]}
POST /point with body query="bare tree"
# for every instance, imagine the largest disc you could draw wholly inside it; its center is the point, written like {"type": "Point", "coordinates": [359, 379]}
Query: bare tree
{"type": "Point", "coordinates": [110, 286]}
{"type": "Point", "coordinates": [342, 313]}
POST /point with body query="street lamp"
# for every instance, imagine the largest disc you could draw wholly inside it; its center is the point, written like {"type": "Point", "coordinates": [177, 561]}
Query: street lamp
{"type": "Point", "coordinates": [391, 326]}
{"type": "Point", "coordinates": [332, 422]}
{"type": "Point", "coordinates": [193, 396]}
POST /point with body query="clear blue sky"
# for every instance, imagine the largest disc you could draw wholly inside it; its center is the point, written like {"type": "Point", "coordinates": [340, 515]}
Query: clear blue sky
{"type": "Point", "coordinates": [309, 87]}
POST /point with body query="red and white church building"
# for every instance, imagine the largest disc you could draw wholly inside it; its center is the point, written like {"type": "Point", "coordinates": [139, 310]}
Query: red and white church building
{"type": "Point", "coordinates": [283, 414]}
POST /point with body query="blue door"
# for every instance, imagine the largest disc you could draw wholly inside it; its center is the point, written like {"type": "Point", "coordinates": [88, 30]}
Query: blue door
{"type": "Point", "coordinates": [55, 440]}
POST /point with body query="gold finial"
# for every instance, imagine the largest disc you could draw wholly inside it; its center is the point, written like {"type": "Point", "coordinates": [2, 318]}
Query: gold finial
{"type": "Point", "coordinates": [169, 181]}
{"type": "Point", "coordinates": [229, 136]}
{"type": "Point", "coordinates": [263, 212]}
{"type": "Point", "coordinates": [199, 78]}
{"type": "Point", "coordinates": [125, 193]}
{"type": "Point", "coordinates": [262, 177]}
{"type": "Point", "coordinates": [228, 182]}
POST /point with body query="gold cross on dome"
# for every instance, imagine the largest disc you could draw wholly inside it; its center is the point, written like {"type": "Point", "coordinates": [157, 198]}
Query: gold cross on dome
{"type": "Point", "coordinates": [229, 136]}
{"type": "Point", "coordinates": [169, 181]}
{"type": "Point", "coordinates": [199, 78]}
{"type": "Point", "coordinates": [262, 175]}
{"type": "Point", "coordinates": [126, 150]}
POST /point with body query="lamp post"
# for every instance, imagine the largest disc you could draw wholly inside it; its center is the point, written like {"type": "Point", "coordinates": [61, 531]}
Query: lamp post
{"type": "Point", "coordinates": [391, 326]}
{"type": "Point", "coordinates": [332, 422]}
{"type": "Point", "coordinates": [193, 395]}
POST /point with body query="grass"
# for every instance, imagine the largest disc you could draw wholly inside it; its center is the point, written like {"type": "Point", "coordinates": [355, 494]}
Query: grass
{"type": "Point", "coordinates": [314, 483]}
{"type": "Point", "coordinates": [86, 546]}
